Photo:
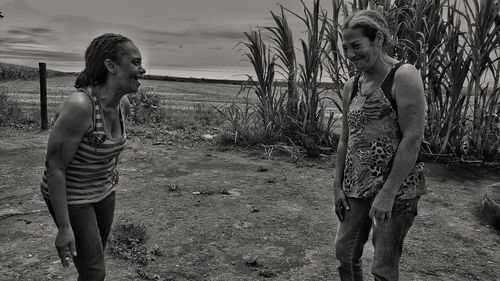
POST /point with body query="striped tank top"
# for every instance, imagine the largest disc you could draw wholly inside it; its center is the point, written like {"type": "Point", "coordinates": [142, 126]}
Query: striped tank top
{"type": "Point", "coordinates": [91, 175]}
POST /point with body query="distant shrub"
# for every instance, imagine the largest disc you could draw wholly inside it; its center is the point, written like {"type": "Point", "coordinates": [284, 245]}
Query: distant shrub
{"type": "Point", "coordinates": [19, 72]}
{"type": "Point", "coordinates": [11, 113]}
{"type": "Point", "coordinates": [146, 107]}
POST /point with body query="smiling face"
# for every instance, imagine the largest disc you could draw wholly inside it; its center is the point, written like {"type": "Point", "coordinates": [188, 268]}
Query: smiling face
{"type": "Point", "coordinates": [129, 68]}
{"type": "Point", "coordinates": [360, 50]}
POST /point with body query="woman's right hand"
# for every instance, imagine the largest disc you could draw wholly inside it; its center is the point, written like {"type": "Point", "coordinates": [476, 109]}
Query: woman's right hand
{"type": "Point", "coordinates": [340, 201]}
{"type": "Point", "coordinates": [65, 245]}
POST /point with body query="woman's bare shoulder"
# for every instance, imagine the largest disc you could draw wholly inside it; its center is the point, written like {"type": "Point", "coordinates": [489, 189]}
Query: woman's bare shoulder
{"type": "Point", "coordinates": [407, 71]}
{"type": "Point", "coordinates": [77, 106]}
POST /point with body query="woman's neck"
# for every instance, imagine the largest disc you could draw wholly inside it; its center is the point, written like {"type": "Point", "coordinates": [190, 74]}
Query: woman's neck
{"type": "Point", "coordinates": [380, 68]}
{"type": "Point", "coordinates": [107, 95]}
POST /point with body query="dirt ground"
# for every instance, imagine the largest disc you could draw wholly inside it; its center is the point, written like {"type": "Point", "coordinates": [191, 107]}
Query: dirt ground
{"type": "Point", "coordinates": [237, 215]}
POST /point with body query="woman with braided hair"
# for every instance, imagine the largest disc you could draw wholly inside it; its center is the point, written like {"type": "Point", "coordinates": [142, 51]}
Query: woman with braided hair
{"type": "Point", "coordinates": [85, 142]}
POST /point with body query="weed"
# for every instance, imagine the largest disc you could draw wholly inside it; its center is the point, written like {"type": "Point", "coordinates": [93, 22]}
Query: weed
{"type": "Point", "coordinates": [292, 151]}
{"type": "Point", "coordinates": [172, 187]}
{"type": "Point", "coordinates": [262, 169]}
{"type": "Point", "coordinates": [157, 251]}
{"type": "Point", "coordinates": [127, 242]}
{"type": "Point", "coordinates": [266, 273]}
{"type": "Point", "coordinates": [144, 275]}
{"type": "Point", "coordinates": [271, 180]}
{"type": "Point", "coordinates": [252, 262]}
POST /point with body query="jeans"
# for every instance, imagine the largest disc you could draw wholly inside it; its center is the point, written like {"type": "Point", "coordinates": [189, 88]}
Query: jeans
{"type": "Point", "coordinates": [387, 239]}
{"type": "Point", "coordinates": [91, 224]}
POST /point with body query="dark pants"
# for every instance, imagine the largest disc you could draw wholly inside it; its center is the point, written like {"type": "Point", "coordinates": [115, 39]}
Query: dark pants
{"type": "Point", "coordinates": [91, 224]}
{"type": "Point", "coordinates": [387, 239]}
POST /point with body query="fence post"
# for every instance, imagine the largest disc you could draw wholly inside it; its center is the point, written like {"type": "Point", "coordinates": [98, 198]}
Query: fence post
{"type": "Point", "coordinates": [43, 95]}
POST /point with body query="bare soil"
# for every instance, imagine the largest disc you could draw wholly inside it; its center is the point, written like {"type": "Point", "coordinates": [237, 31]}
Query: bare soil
{"type": "Point", "coordinates": [227, 213]}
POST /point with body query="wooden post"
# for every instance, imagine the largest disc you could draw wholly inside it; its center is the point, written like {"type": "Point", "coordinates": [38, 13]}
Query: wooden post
{"type": "Point", "coordinates": [43, 95]}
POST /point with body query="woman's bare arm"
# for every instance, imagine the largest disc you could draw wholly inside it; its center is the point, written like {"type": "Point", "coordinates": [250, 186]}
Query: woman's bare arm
{"type": "Point", "coordinates": [410, 99]}
{"type": "Point", "coordinates": [340, 201]}
{"type": "Point", "coordinates": [73, 121]}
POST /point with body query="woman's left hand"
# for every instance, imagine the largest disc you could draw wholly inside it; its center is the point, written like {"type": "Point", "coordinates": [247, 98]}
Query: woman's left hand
{"type": "Point", "coordinates": [382, 206]}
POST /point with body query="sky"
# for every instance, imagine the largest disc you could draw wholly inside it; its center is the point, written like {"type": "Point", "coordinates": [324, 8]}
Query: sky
{"type": "Point", "coordinates": [175, 37]}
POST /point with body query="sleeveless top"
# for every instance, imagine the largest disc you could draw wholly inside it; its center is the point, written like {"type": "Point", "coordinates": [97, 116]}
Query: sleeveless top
{"type": "Point", "coordinates": [374, 136]}
{"type": "Point", "coordinates": [91, 175]}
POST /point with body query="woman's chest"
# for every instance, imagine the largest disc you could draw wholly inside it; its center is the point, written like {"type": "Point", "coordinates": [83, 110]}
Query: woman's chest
{"type": "Point", "coordinates": [372, 111]}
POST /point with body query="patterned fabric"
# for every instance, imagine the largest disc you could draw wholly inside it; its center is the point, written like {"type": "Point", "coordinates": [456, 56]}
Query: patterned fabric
{"type": "Point", "coordinates": [91, 175]}
{"type": "Point", "coordinates": [374, 137]}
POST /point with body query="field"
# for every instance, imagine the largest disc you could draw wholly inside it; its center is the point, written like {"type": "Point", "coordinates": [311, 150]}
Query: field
{"type": "Point", "coordinates": [228, 213]}
{"type": "Point", "coordinates": [175, 94]}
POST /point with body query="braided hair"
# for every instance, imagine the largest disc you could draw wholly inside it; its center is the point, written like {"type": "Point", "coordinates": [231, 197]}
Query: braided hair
{"type": "Point", "coordinates": [106, 46]}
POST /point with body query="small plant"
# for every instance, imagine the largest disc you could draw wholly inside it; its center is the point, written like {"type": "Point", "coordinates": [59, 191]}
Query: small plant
{"type": "Point", "coordinates": [241, 119]}
{"type": "Point", "coordinates": [127, 241]}
{"type": "Point", "coordinates": [262, 169]}
{"type": "Point", "coordinates": [292, 151]}
{"type": "Point", "coordinates": [173, 187]}
{"type": "Point", "coordinates": [271, 180]}
{"type": "Point", "coordinates": [157, 251]}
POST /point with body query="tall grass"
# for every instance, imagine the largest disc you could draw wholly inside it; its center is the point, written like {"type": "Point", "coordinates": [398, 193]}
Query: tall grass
{"type": "Point", "coordinates": [434, 45]}
{"type": "Point", "coordinates": [312, 111]}
{"type": "Point", "coordinates": [284, 48]}
{"type": "Point", "coordinates": [270, 108]}
{"type": "Point", "coordinates": [336, 64]}
{"type": "Point", "coordinates": [311, 69]}
{"type": "Point", "coordinates": [455, 44]}
{"type": "Point", "coordinates": [483, 38]}
{"type": "Point", "coordinates": [301, 117]}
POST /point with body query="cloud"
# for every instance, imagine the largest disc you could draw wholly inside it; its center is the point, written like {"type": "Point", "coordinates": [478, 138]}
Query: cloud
{"type": "Point", "coordinates": [33, 31]}
{"type": "Point", "coordinates": [40, 55]}
{"type": "Point", "coordinates": [216, 33]}
{"type": "Point", "coordinates": [190, 36]}
{"type": "Point", "coordinates": [16, 40]}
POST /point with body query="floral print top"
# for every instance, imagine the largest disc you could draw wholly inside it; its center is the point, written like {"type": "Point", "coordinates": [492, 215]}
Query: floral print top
{"type": "Point", "coordinates": [374, 136]}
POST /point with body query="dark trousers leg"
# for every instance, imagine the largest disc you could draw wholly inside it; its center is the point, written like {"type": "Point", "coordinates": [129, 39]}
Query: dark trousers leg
{"type": "Point", "coordinates": [91, 224]}
{"type": "Point", "coordinates": [388, 238]}
{"type": "Point", "coordinates": [352, 234]}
